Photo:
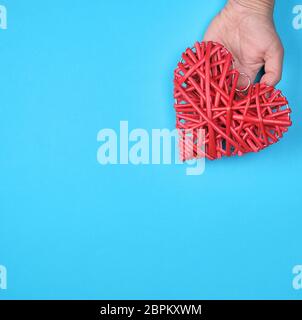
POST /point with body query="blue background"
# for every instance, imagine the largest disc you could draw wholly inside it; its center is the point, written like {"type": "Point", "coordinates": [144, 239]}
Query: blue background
{"type": "Point", "coordinates": [71, 228]}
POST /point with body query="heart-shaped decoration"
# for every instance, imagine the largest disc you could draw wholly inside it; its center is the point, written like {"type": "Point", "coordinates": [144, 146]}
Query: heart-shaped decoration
{"type": "Point", "coordinates": [234, 121]}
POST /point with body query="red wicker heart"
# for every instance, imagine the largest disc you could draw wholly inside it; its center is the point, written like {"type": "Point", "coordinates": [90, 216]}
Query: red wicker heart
{"type": "Point", "coordinates": [234, 122]}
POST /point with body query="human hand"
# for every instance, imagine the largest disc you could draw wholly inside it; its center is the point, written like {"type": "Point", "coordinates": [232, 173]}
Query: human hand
{"type": "Point", "coordinates": [246, 28]}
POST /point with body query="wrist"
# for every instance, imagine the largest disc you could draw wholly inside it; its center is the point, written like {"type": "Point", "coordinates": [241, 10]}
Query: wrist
{"type": "Point", "coordinates": [264, 7]}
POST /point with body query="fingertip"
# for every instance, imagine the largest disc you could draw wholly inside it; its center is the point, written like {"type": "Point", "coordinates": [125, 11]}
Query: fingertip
{"type": "Point", "coordinates": [270, 79]}
{"type": "Point", "coordinates": [273, 68]}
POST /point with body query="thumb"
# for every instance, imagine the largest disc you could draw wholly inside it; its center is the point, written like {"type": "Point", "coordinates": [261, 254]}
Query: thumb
{"type": "Point", "coordinates": [273, 67]}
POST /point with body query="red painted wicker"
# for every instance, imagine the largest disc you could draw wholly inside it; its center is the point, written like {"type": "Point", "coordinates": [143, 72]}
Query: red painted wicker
{"type": "Point", "coordinates": [235, 120]}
